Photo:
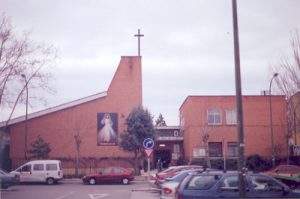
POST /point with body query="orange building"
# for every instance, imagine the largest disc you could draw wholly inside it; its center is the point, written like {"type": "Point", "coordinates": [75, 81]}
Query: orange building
{"type": "Point", "coordinates": [209, 126]}
{"type": "Point", "coordinates": [97, 119]}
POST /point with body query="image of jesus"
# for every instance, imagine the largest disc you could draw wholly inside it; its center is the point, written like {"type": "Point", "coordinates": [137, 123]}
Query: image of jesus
{"type": "Point", "coordinates": [106, 132]}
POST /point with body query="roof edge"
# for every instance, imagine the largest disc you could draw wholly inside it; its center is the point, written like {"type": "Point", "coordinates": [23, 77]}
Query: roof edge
{"type": "Point", "coordinates": [55, 108]}
{"type": "Point", "coordinates": [189, 96]}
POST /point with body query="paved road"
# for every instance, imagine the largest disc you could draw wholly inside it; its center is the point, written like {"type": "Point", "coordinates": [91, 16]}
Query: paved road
{"type": "Point", "coordinates": [78, 191]}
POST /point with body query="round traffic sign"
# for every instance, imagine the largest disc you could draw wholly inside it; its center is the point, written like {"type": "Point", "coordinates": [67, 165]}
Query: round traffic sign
{"type": "Point", "coordinates": [148, 143]}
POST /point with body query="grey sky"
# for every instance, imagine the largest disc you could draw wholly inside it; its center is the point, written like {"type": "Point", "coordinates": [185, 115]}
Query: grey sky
{"type": "Point", "coordinates": [187, 48]}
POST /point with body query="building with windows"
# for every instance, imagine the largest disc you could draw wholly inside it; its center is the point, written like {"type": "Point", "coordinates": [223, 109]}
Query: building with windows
{"type": "Point", "coordinates": [209, 126]}
{"type": "Point", "coordinates": [168, 145]}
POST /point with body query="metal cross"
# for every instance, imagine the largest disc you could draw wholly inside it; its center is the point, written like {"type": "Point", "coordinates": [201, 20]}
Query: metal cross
{"type": "Point", "coordinates": [139, 35]}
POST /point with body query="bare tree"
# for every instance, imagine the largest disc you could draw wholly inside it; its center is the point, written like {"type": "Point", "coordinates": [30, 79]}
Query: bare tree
{"type": "Point", "coordinates": [288, 82]}
{"type": "Point", "coordinates": [205, 129]}
{"type": "Point", "coordinates": [77, 125]}
{"type": "Point", "coordinates": [21, 57]}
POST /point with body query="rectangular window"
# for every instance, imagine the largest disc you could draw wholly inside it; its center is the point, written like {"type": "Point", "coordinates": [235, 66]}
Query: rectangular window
{"type": "Point", "coordinates": [176, 148]}
{"type": "Point", "coordinates": [38, 167]}
{"type": "Point", "coordinates": [231, 117]}
{"type": "Point", "coordinates": [26, 168]}
{"type": "Point", "coordinates": [215, 149]}
{"type": "Point", "coordinates": [232, 149]}
{"type": "Point", "coordinates": [202, 182]}
{"type": "Point", "coordinates": [51, 167]}
{"type": "Point", "coordinates": [214, 117]}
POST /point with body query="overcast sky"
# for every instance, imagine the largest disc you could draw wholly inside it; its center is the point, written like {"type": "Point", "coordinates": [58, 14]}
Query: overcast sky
{"type": "Point", "coordinates": [187, 48]}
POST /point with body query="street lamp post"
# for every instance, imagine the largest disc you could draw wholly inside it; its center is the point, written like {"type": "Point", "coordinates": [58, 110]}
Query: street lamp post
{"type": "Point", "coordinates": [26, 115]}
{"type": "Point", "coordinates": [271, 119]}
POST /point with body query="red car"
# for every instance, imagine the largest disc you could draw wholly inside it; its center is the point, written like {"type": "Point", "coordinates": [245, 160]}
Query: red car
{"type": "Point", "coordinates": [108, 175]}
{"type": "Point", "coordinates": [170, 172]}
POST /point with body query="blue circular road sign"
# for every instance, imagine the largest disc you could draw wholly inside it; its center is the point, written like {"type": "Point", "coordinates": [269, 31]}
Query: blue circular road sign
{"type": "Point", "coordinates": [148, 143]}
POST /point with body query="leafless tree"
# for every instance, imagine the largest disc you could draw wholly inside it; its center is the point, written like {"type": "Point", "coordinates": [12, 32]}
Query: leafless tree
{"type": "Point", "coordinates": [205, 130]}
{"type": "Point", "coordinates": [288, 82]}
{"type": "Point", "coordinates": [21, 57]}
{"type": "Point", "coordinates": [77, 127]}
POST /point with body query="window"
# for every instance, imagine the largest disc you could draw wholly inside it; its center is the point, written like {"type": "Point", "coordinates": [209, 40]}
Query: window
{"type": "Point", "coordinates": [26, 168]}
{"type": "Point", "coordinates": [265, 184]}
{"type": "Point", "coordinates": [117, 170]}
{"type": "Point", "coordinates": [231, 117]}
{"type": "Point", "coordinates": [214, 116]}
{"type": "Point", "coordinates": [232, 149]}
{"type": "Point", "coordinates": [230, 182]}
{"type": "Point", "coordinates": [176, 148]}
{"type": "Point", "coordinates": [215, 149]}
{"type": "Point", "coordinates": [107, 171]}
{"type": "Point", "coordinates": [38, 167]}
{"type": "Point", "coordinates": [202, 182]}
{"type": "Point", "coordinates": [51, 167]}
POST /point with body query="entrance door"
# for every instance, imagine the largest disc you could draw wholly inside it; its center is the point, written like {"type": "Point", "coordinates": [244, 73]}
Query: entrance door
{"type": "Point", "coordinates": [165, 157]}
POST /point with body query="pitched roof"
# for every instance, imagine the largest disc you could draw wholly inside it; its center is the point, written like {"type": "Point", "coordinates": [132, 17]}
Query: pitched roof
{"type": "Point", "coordinates": [55, 108]}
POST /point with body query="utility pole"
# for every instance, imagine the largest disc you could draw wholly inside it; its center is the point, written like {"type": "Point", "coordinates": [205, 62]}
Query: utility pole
{"type": "Point", "coordinates": [271, 119]}
{"type": "Point", "coordinates": [26, 116]}
{"type": "Point", "coordinates": [139, 35]}
{"type": "Point", "coordinates": [239, 104]}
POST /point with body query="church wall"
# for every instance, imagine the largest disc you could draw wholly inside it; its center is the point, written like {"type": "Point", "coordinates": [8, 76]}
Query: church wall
{"type": "Point", "coordinates": [58, 128]}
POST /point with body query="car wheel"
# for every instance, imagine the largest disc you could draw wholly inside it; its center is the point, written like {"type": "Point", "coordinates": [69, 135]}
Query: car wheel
{"type": "Point", "coordinates": [92, 181]}
{"type": "Point", "coordinates": [125, 181]}
{"type": "Point", "coordinates": [50, 181]}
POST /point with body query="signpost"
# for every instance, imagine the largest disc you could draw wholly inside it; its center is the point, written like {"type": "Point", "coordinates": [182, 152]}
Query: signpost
{"type": "Point", "coordinates": [148, 145]}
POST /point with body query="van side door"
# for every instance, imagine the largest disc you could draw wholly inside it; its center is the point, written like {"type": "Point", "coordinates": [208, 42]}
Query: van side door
{"type": "Point", "coordinates": [38, 172]}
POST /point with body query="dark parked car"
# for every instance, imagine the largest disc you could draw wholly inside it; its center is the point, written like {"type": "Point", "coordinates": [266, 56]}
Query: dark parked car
{"type": "Point", "coordinates": [7, 180]}
{"type": "Point", "coordinates": [288, 174]}
{"type": "Point", "coordinates": [108, 175]}
{"type": "Point", "coordinates": [225, 185]}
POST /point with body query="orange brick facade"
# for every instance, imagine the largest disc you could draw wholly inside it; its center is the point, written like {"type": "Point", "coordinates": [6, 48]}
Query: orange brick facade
{"type": "Point", "coordinates": [58, 128]}
{"type": "Point", "coordinates": [194, 117]}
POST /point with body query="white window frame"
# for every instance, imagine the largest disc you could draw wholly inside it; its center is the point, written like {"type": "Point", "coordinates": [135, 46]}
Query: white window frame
{"type": "Point", "coordinates": [214, 114]}
{"type": "Point", "coordinates": [229, 116]}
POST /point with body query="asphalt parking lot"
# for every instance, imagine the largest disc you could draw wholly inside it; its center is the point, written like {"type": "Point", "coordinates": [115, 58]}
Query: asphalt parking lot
{"type": "Point", "coordinates": [76, 190]}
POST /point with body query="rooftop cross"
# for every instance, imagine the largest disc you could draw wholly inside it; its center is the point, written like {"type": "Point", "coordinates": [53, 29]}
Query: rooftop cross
{"type": "Point", "coordinates": [139, 35]}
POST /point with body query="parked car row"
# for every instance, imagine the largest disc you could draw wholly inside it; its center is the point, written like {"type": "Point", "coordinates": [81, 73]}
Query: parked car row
{"type": "Point", "coordinates": [190, 182]}
{"type": "Point", "coordinates": [50, 172]}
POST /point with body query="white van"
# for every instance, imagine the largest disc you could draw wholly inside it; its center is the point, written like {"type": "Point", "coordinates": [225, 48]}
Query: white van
{"type": "Point", "coordinates": [48, 171]}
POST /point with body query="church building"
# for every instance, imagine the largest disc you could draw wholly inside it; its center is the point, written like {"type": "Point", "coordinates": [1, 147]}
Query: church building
{"type": "Point", "coordinates": [95, 121]}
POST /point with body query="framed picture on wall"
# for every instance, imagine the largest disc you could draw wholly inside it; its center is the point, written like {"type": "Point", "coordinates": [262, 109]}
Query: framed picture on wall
{"type": "Point", "coordinates": [107, 129]}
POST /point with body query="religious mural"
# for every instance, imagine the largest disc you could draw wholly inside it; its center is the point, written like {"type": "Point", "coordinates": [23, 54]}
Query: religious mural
{"type": "Point", "coordinates": [107, 129]}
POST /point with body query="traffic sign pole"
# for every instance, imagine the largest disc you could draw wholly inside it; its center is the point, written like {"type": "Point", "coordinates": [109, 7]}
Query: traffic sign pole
{"type": "Point", "coordinates": [148, 144]}
{"type": "Point", "coordinates": [148, 168]}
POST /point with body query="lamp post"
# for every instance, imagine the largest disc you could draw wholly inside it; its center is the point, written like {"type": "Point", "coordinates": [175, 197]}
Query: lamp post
{"type": "Point", "coordinates": [26, 115]}
{"type": "Point", "coordinates": [271, 119]}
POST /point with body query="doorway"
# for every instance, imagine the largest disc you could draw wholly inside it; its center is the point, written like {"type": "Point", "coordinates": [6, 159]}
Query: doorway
{"type": "Point", "coordinates": [165, 157]}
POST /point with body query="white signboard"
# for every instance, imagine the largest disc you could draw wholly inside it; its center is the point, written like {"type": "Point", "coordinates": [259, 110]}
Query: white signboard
{"type": "Point", "coordinates": [198, 152]}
